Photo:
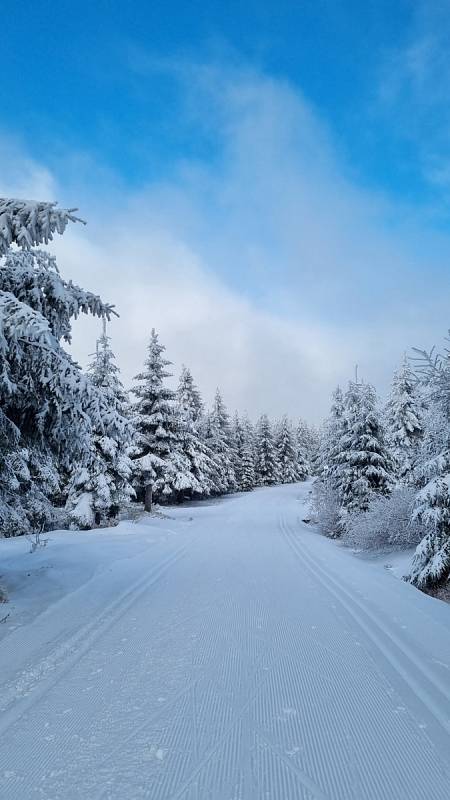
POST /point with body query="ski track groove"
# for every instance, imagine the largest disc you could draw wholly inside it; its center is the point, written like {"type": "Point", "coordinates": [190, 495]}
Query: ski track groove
{"type": "Point", "coordinates": [40, 679]}
{"type": "Point", "coordinates": [213, 750]}
{"type": "Point", "coordinates": [273, 771]}
{"type": "Point", "coordinates": [259, 702]}
{"type": "Point", "coordinates": [375, 631]}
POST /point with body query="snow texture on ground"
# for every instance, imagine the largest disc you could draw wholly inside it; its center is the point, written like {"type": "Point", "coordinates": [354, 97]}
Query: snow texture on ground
{"type": "Point", "coordinates": [229, 653]}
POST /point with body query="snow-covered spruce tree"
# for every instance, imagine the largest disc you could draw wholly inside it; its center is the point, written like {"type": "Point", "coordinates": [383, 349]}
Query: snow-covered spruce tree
{"type": "Point", "coordinates": [363, 465]}
{"type": "Point", "coordinates": [28, 479]}
{"type": "Point", "coordinates": [161, 467]}
{"type": "Point", "coordinates": [236, 449]}
{"type": "Point", "coordinates": [326, 501]}
{"type": "Point", "coordinates": [105, 374]}
{"type": "Point", "coordinates": [244, 466]}
{"type": "Point", "coordinates": [332, 432]}
{"type": "Point", "coordinates": [193, 447]}
{"type": "Point", "coordinates": [49, 407]}
{"type": "Point", "coordinates": [287, 454]}
{"type": "Point", "coordinates": [100, 485]}
{"type": "Point", "coordinates": [248, 479]}
{"type": "Point", "coordinates": [431, 563]}
{"type": "Point", "coordinates": [403, 422]}
{"type": "Point", "coordinates": [313, 436]}
{"type": "Point", "coordinates": [308, 441]}
{"type": "Point", "coordinates": [218, 437]}
{"type": "Point", "coordinates": [266, 466]}
{"type": "Point", "coordinates": [189, 397]}
{"type": "Point", "coordinates": [302, 466]}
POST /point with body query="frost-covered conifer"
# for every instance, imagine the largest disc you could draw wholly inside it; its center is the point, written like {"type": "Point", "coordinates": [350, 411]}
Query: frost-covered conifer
{"type": "Point", "coordinates": [248, 478]}
{"type": "Point", "coordinates": [403, 422]}
{"type": "Point", "coordinates": [287, 454]}
{"type": "Point", "coordinates": [363, 464]}
{"type": "Point", "coordinates": [105, 374]}
{"type": "Point", "coordinates": [100, 483]}
{"type": "Point", "coordinates": [193, 447]}
{"type": "Point", "coordinates": [218, 437]}
{"type": "Point", "coordinates": [302, 451]}
{"type": "Point", "coordinates": [332, 433]}
{"type": "Point", "coordinates": [266, 466]}
{"type": "Point", "coordinates": [326, 501]}
{"type": "Point", "coordinates": [45, 399]}
{"type": "Point", "coordinates": [189, 397]}
{"type": "Point", "coordinates": [33, 277]}
{"type": "Point", "coordinates": [237, 436]}
{"type": "Point", "coordinates": [431, 563]}
{"type": "Point", "coordinates": [243, 454]}
{"type": "Point", "coordinates": [161, 469]}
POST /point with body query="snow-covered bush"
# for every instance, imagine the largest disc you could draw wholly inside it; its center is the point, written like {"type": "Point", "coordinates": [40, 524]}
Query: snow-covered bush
{"type": "Point", "coordinates": [326, 509]}
{"type": "Point", "coordinates": [388, 523]}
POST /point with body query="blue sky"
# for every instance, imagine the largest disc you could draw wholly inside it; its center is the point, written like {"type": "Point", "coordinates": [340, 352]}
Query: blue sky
{"type": "Point", "coordinates": [280, 167]}
{"type": "Point", "coordinates": [73, 73]}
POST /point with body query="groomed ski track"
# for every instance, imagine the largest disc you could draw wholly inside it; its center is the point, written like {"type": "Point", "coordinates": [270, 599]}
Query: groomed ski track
{"type": "Point", "coordinates": [249, 659]}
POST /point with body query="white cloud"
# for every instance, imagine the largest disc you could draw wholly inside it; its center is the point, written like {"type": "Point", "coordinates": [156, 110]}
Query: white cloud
{"type": "Point", "coordinates": [268, 271]}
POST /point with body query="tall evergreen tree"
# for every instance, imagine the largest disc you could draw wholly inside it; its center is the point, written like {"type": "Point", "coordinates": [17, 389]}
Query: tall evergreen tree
{"type": "Point", "coordinates": [49, 408]}
{"type": "Point", "coordinates": [287, 455]}
{"type": "Point", "coordinates": [189, 397]}
{"type": "Point", "coordinates": [160, 468]}
{"type": "Point", "coordinates": [248, 478]}
{"type": "Point", "coordinates": [100, 485]}
{"type": "Point", "coordinates": [332, 433]}
{"type": "Point", "coordinates": [244, 465]}
{"type": "Point", "coordinates": [193, 447]}
{"type": "Point", "coordinates": [237, 439]}
{"type": "Point", "coordinates": [266, 467]}
{"type": "Point", "coordinates": [403, 422]}
{"type": "Point", "coordinates": [218, 435]}
{"type": "Point", "coordinates": [431, 563]}
{"type": "Point", "coordinates": [302, 452]}
{"type": "Point", "coordinates": [363, 464]}
{"type": "Point", "coordinates": [330, 462]}
{"type": "Point", "coordinates": [104, 372]}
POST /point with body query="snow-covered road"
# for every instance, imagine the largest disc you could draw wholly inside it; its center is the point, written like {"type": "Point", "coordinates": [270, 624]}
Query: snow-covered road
{"type": "Point", "coordinates": [241, 657]}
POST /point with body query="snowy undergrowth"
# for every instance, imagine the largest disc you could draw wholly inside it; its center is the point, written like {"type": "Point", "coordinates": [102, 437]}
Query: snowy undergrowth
{"type": "Point", "coordinates": [383, 538]}
{"type": "Point", "coordinates": [32, 582]}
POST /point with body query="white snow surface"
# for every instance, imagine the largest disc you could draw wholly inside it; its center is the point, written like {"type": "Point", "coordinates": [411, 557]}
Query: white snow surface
{"type": "Point", "coordinates": [228, 652]}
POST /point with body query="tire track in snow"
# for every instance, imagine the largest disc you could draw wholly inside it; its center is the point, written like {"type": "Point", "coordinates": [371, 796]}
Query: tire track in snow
{"type": "Point", "coordinates": [435, 697]}
{"type": "Point", "coordinates": [34, 683]}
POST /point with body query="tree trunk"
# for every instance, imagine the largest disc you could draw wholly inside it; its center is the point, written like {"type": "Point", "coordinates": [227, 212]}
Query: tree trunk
{"type": "Point", "coordinates": [148, 501]}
